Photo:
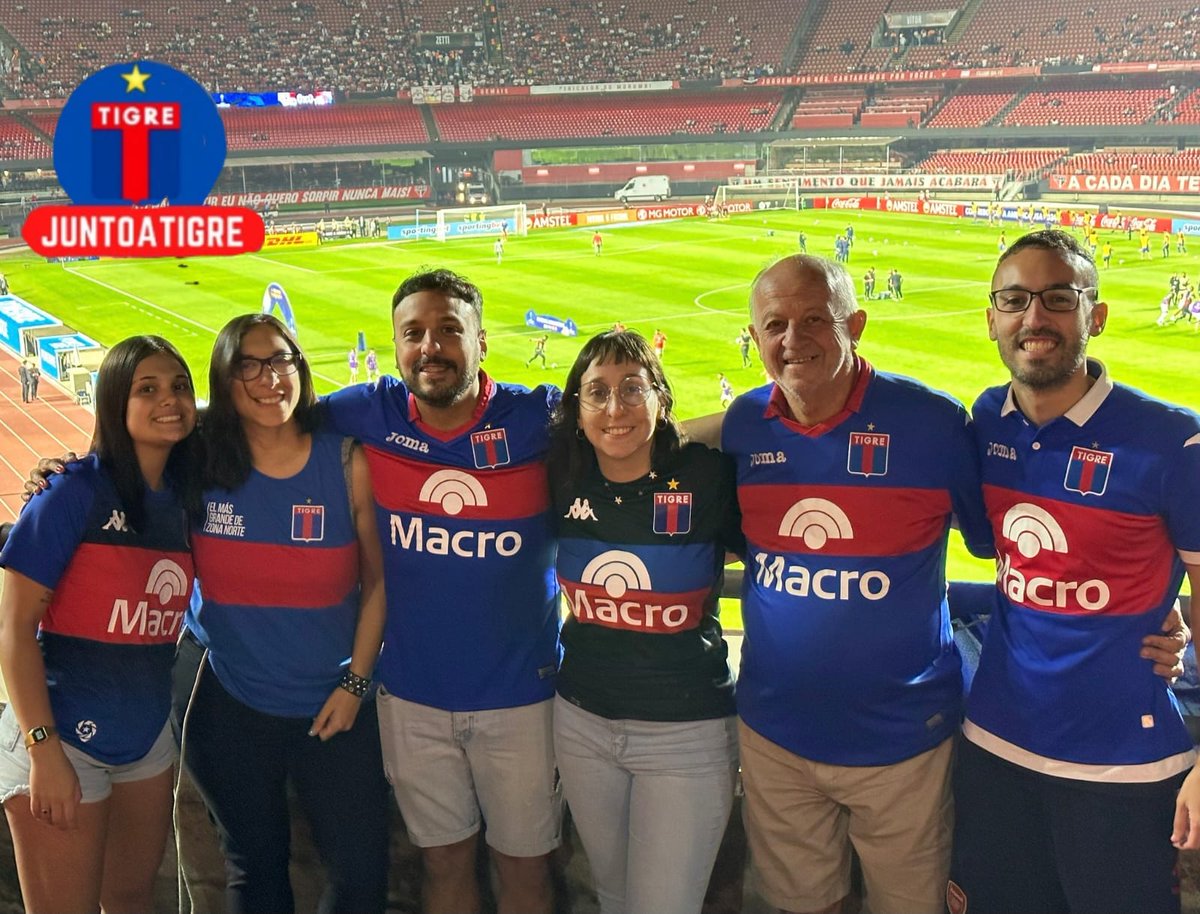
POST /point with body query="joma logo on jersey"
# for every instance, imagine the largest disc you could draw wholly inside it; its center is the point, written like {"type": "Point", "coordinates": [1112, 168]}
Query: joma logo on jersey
{"type": "Point", "coordinates": [1087, 471]}
{"type": "Point", "coordinates": [868, 454]}
{"type": "Point", "coordinates": [490, 448]}
{"type": "Point", "coordinates": [166, 581]}
{"type": "Point", "coordinates": [1033, 531]}
{"type": "Point", "coordinates": [413, 444]}
{"type": "Point", "coordinates": [995, 449]}
{"type": "Point", "coordinates": [619, 573]}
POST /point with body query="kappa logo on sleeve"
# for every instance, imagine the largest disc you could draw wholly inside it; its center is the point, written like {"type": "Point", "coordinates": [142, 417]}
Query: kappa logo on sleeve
{"type": "Point", "coordinates": [138, 147]}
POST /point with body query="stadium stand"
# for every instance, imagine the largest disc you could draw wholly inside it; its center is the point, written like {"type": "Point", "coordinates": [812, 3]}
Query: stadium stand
{"type": "Point", "coordinates": [383, 124]}
{"type": "Point", "coordinates": [828, 108]}
{"type": "Point", "coordinates": [970, 108]}
{"type": "Point", "coordinates": [1014, 164]}
{"type": "Point", "coordinates": [1183, 162]}
{"type": "Point", "coordinates": [1085, 107]}
{"type": "Point", "coordinates": [543, 117]}
{"type": "Point", "coordinates": [18, 142]}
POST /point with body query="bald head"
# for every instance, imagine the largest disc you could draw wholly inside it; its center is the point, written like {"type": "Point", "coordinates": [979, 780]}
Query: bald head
{"type": "Point", "coordinates": [808, 268]}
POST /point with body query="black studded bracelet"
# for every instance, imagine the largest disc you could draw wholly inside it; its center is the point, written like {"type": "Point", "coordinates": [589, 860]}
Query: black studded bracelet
{"type": "Point", "coordinates": [354, 684]}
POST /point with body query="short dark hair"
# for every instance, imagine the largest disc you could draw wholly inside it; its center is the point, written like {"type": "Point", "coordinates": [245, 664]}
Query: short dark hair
{"type": "Point", "coordinates": [1051, 240]}
{"type": "Point", "coordinates": [572, 456]}
{"type": "Point", "coordinates": [111, 441]}
{"type": "Point", "coordinates": [227, 462]}
{"type": "Point", "coordinates": [449, 283]}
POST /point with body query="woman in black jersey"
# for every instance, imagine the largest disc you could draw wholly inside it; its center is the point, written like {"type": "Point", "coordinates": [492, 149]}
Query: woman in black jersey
{"type": "Point", "coordinates": [644, 720]}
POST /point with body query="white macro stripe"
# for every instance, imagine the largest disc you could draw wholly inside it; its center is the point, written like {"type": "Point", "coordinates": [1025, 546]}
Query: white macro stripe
{"type": "Point", "coordinates": [1112, 774]}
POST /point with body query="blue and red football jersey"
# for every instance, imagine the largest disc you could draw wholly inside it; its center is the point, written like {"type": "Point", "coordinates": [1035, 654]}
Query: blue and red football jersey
{"type": "Point", "coordinates": [846, 526]}
{"type": "Point", "coordinates": [467, 542]}
{"type": "Point", "coordinates": [1094, 515]}
{"type": "Point", "coordinates": [277, 561]}
{"type": "Point", "coordinates": [108, 635]}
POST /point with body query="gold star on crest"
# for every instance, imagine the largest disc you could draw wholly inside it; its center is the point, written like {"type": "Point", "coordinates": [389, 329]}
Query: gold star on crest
{"type": "Point", "coordinates": [653, 475]}
{"type": "Point", "coordinates": [870, 426]}
{"type": "Point", "coordinates": [135, 81]}
{"type": "Point", "coordinates": [1095, 445]}
{"type": "Point", "coordinates": [672, 484]}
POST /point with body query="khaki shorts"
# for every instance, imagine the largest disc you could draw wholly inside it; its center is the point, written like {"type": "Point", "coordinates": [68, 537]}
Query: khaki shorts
{"type": "Point", "coordinates": [95, 777]}
{"type": "Point", "coordinates": [452, 769]}
{"type": "Point", "coordinates": [802, 818]}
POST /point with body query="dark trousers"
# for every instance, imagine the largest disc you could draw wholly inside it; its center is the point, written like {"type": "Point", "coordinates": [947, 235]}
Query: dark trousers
{"type": "Point", "coordinates": [242, 760]}
{"type": "Point", "coordinates": [1031, 843]}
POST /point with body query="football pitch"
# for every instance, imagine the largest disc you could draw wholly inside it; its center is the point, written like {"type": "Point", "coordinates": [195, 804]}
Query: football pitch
{"type": "Point", "coordinates": [689, 278]}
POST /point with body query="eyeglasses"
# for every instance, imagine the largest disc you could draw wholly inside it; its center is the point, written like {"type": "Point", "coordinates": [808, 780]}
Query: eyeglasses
{"type": "Point", "coordinates": [249, 367]}
{"type": "Point", "coordinates": [633, 392]}
{"type": "Point", "coordinates": [1056, 298]}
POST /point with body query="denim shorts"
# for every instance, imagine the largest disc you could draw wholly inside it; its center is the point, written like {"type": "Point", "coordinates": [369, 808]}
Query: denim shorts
{"type": "Point", "coordinates": [95, 777]}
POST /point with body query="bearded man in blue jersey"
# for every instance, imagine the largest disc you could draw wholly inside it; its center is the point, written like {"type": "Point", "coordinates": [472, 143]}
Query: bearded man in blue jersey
{"type": "Point", "coordinates": [1067, 780]}
{"type": "Point", "coordinates": [470, 651]}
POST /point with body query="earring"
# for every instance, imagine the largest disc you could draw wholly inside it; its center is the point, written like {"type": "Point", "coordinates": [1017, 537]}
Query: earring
{"type": "Point", "coordinates": [578, 433]}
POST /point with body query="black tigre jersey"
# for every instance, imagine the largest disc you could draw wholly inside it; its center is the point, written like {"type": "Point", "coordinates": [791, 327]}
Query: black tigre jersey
{"type": "Point", "coordinates": [640, 565]}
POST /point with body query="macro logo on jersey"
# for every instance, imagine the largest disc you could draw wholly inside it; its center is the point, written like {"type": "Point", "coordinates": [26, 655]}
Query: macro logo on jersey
{"type": "Point", "coordinates": [138, 146]}
{"type": "Point", "coordinates": [1038, 575]}
{"type": "Point", "coordinates": [167, 583]}
{"type": "Point", "coordinates": [672, 512]}
{"type": "Point", "coordinates": [615, 590]}
{"type": "Point", "coordinates": [453, 490]}
{"type": "Point", "coordinates": [1087, 471]}
{"type": "Point", "coordinates": [816, 521]}
{"type": "Point", "coordinates": [308, 523]}
{"type": "Point", "coordinates": [868, 454]}
{"type": "Point", "coordinates": [489, 448]}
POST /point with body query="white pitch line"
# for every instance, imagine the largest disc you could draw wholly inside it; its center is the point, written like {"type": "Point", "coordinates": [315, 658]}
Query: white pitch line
{"type": "Point", "coordinates": [144, 301]}
{"type": "Point", "coordinates": [283, 263]}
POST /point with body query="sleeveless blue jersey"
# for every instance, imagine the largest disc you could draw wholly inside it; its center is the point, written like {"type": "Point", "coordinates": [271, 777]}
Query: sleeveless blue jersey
{"type": "Point", "coordinates": [1094, 514]}
{"type": "Point", "coordinates": [468, 544]}
{"type": "Point", "coordinates": [848, 657]}
{"type": "Point", "coordinates": [108, 636]}
{"type": "Point", "coordinates": [277, 561]}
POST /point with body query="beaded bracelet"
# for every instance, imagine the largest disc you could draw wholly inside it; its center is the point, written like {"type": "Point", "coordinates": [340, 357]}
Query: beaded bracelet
{"type": "Point", "coordinates": [354, 684]}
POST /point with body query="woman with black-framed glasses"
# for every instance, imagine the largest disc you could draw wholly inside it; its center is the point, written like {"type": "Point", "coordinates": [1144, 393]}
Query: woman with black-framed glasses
{"type": "Point", "coordinates": [644, 729]}
{"type": "Point", "coordinates": [272, 683]}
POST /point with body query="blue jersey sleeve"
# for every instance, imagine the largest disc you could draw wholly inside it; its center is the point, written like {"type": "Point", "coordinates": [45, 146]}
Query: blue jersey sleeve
{"type": "Point", "coordinates": [347, 411]}
{"type": "Point", "coordinates": [1182, 494]}
{"type": "Point", "coordinates": [966, 492]}
{"type": "Point", "coordinates": [51, 527]}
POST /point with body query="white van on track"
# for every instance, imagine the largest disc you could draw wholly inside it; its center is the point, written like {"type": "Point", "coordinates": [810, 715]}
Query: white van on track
{"type": "Point", "coordinates": [645, 187]}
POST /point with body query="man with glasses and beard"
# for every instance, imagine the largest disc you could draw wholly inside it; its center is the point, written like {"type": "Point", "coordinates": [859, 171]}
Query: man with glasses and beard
{"type": "Point", "coordinates": [468, 666]}
{"type": "Point", "coordinates": [1074, 750]}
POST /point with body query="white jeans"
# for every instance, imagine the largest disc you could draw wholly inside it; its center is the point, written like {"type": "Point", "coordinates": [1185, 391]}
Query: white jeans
{"type": "Point", "coordinates": [650, 801]}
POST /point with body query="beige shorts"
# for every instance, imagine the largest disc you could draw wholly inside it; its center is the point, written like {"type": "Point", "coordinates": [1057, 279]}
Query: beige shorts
{"type": "Point", "coordinates": [453, 770]}
{"type": "Point", "coordinates": [802, 818]}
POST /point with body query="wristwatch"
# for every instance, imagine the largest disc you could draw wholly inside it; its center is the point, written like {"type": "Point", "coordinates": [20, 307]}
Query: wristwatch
{"type": "Point", "coordinates": [37, 735]}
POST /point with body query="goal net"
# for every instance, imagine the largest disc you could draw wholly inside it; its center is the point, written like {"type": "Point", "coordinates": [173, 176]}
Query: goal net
{"type": "Point", "coordinates": [474, 221]}
{"type": "Point", "coordinates": [757, 194]}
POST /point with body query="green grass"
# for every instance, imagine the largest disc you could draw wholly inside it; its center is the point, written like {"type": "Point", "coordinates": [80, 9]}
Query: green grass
{"type": "Point", "coordinates": [690, 278]}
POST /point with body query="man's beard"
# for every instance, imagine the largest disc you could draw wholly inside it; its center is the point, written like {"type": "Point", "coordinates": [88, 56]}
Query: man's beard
{"type": "Point", "coordinates": [442, 394]}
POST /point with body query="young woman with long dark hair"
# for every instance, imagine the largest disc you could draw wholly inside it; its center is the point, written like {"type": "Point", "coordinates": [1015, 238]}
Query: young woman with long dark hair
{"type": "Point", "coordinates": [97, 576]}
